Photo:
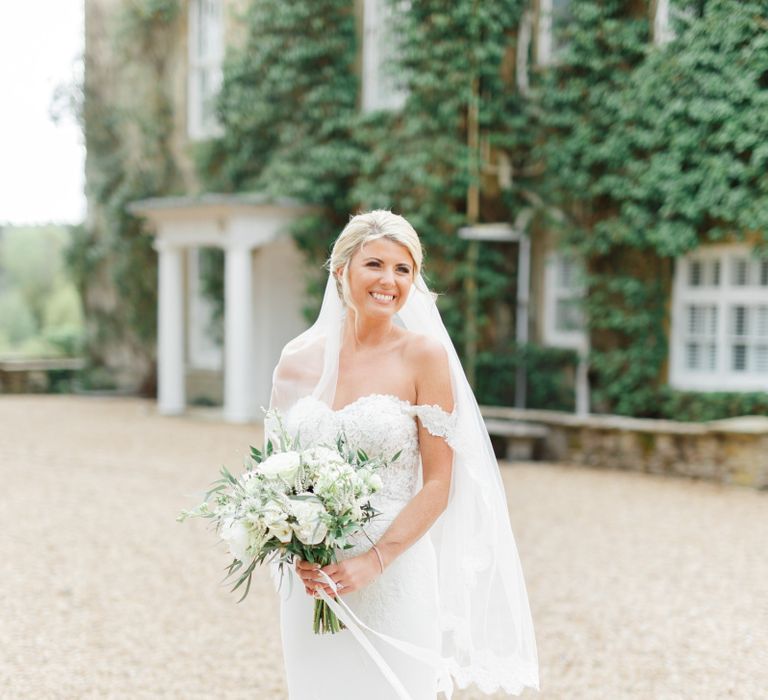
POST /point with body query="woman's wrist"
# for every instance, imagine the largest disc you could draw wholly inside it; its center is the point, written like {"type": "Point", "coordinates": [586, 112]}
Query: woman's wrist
{"type": "Point", "coordinates": [378, 558]}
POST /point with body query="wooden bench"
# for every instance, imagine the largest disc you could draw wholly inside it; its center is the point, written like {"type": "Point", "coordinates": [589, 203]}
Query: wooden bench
{"type": "Point", "coordinates": [16, 376]}
{"type": "Point", "coordinates": [520, 436]}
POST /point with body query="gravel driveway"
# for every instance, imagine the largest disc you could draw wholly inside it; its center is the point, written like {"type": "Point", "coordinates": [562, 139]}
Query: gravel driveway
{"type": "Point", "coordinates": [641, 586]}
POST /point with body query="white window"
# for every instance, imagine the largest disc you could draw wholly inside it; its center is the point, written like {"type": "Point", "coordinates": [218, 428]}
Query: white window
{"type": "Point", "coordinates": [380, 47]}
{"type": "Point", "coordinates": [719, 339]}
{"type": "Point", "coordinates": [563, 301]}
{"type": "Point", "coordinates": [206, 54]}
{"type": "Point", "coordinates": [554, 17]}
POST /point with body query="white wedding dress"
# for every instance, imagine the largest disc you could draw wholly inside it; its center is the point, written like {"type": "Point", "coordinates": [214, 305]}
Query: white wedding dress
{"type": "Point", "coordinates": [403, 601]}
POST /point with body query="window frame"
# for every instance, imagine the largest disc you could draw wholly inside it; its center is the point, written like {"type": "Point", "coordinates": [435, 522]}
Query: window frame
{"type": "Point", "coordinates": [377, 90]}
{"type": "Point", "coordinates": [198, 128]}
{"type": "Point", "coordinates": [555, 292]}
{"type": "Point", "coordinates": [546, 49]}
{"type": "Point", "coordinates": [725, 297]}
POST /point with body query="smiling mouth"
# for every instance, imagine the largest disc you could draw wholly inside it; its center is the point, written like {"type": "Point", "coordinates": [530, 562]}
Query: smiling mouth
{"type": "Point", "coordinates": [382, 297]}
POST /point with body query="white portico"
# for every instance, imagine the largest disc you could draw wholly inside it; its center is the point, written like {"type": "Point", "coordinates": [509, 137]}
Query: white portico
{"type": "Point", "coordinates": [264, 285]}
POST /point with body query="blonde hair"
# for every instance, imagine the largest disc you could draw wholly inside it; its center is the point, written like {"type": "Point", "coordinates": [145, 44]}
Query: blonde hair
{"type": "Point", "coordinates": [370, 226]}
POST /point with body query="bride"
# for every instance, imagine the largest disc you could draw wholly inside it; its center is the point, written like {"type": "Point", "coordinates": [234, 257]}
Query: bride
{"type": "Point", "coordinates": [432, 593]}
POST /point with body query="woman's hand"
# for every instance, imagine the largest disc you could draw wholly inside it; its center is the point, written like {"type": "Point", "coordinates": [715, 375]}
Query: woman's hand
{"type": "Point", "coordinates": [349, 575]}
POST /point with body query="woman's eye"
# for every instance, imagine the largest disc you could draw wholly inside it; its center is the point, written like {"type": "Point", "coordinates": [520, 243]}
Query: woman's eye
{"type": "Point", "coordinates": [401, 269]}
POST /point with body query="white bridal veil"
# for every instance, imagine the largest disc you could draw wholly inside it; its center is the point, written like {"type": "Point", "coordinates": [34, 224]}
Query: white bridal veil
{"type": "Point", "coordinates": [487, 631]}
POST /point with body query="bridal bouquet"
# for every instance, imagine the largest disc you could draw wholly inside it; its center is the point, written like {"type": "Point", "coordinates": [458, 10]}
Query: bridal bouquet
{"type": "Point", "coordinates": [292, 502]}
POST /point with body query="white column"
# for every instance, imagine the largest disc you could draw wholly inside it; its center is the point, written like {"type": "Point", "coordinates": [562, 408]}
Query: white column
{"type": "Point", "coordinates": [171, 397]}
{"type": "Point", "coordinates": [238, 345]}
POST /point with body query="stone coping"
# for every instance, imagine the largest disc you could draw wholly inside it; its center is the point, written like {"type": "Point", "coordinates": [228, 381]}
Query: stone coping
{"type": "Point", "coordinates": [745, 425]}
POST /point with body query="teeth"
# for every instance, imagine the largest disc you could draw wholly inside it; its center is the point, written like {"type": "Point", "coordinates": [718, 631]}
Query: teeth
{"type": "Point", "coordinates": [382, 297]}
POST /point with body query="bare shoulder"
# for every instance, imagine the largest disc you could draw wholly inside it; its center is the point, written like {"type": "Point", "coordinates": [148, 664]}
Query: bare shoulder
{"type": "Point", "coordinates": [423, 350]}
{"type": "Point", "coordinates": [429, 361]}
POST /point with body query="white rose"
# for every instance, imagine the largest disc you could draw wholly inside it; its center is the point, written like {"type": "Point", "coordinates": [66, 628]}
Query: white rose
{"type": "Point", "coordinates": [309, 528]}
{"type": "Point", "coordinates": [235, 534]}
{"type": "Point", "coordinates": [284, 465]}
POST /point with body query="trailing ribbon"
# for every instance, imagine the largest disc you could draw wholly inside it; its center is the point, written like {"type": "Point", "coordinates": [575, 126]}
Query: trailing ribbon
{"type": "Point", "coordinates": [354, 625]}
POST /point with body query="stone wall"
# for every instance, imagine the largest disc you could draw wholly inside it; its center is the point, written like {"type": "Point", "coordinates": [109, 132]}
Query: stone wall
{"type": "Point", "coordinates": [732, 451]}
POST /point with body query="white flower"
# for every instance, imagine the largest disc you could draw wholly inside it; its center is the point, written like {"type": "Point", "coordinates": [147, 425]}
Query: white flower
{"type": "Point", "coordinates": [276, 519]}
{"type": "Point", "coordinates": [371, 480]}
{"type": "Point", "coordinates": [250, 482]}
{"type": "Point", "coordinates": [284, 465]}
{"type": "Point", "coordinates": [374, 483]}
{"type": "Point", "coordinates": [235, 534]}
{"type": "Point", "coordinates": [282, 530]}
{"type": "Point", "coordinates": [356, 512]}
{"type": "Point", "coordinates": [310, 527]}
{"type": "Point", "coordinates": [320, 456]}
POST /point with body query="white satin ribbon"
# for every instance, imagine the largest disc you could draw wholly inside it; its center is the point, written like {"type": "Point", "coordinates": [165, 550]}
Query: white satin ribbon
{"type": "Point", "coordinates": [354, 625]}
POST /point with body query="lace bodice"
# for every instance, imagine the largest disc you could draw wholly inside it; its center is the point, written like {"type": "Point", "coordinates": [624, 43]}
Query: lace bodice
{"type": "Point", "coordinates": [379, 424]}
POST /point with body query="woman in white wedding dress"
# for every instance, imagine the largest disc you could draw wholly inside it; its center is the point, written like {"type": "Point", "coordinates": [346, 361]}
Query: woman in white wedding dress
{"type": "Point", "coordinates": [432, 594]}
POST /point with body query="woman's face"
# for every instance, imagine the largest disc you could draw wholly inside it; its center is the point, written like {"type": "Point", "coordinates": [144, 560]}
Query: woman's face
{"type": "Point", "coordinates": [381, 273]}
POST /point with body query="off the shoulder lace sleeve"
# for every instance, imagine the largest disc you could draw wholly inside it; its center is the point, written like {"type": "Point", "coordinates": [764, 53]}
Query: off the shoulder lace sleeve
{"type": "Point", "coordinates": [437, 421]}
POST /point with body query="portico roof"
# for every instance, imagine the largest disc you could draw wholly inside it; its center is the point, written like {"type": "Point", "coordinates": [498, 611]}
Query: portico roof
{"type": "Point", "coordinates": [210, 203]}
{"type": "Point", "coordinates": [212, 219]}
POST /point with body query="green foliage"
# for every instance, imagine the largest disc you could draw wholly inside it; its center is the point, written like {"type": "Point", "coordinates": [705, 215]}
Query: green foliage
{"type": "Point", "coordinates": [17, 322]}
{"type": "Point", "coordinates": [550, 374]}
{"type": "Point", "coordinates": [417, 161]}
{"type": "Point", "coordinates": [40, 310]}
{"type": "Point", "coordinates": [288, 101]}
{"type": "Point", "coordinates": [692, 137]}
{"type": "Point", "coordinates": [651, 152]}
{"type": "Point", "coordinates": [292, 127]}
{"type": "Point", "coordinates": [702, 406]}
{"type": "Point", "coordinates": [32, 264]}
{"type": "Point", "coordinates": [288, 109]}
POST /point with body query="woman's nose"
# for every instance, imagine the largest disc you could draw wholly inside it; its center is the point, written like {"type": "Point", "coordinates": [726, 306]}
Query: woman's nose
{"type": "Point", "coordinates": [388, 276]}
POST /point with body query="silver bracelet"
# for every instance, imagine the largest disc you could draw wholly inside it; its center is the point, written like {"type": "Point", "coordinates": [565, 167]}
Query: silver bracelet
{"type": "Point", "coordinates": [378, 554]}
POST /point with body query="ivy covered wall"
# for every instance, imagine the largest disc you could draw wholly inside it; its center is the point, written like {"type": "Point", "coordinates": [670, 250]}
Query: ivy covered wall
{"type": "Point", "coordinates": [129, 116]}
{"type": "Point", "coordinates": [631, 153]}
{"type": "Point", "coordinates": [290, 107]}
{"type": "Point", "coordinates": [651, 152]}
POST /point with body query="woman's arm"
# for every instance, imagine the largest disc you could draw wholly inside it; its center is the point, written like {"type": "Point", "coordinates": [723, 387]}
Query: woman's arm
{"type": "Point", "coordinates": [433, 386]}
